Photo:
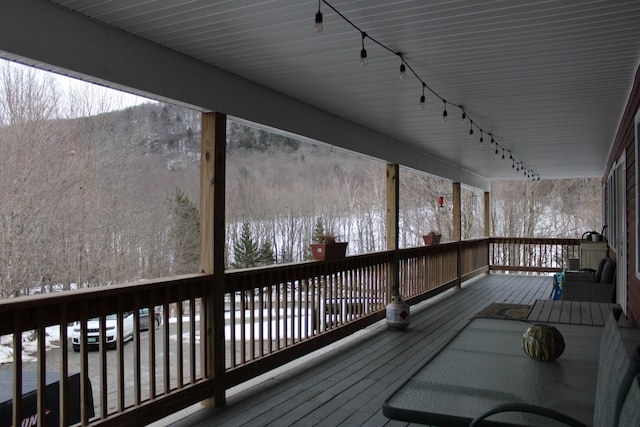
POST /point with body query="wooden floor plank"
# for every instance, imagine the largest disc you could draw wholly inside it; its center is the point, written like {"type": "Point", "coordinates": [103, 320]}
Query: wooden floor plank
{"type": "Point", "coordinates": [347, 385]}
{"type": "Point", "coordinates": [565, 314]}
{"type": "Point", "coordinates": [576, 313]}
{"type": "Point", "coordinates": [545, 313]}
{"type": "Point", "coordinates": [554, 315]}
{"type": "Point", "coordinates": [585, 313]}
{"type": "Point", "coordinates": [596, 314]}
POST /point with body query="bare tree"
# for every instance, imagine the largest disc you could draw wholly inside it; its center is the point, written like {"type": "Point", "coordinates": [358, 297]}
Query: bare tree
{"type": "Point", "coordinates": [31, 179]}
{"type": "Point", "coordinates": [547, 208]}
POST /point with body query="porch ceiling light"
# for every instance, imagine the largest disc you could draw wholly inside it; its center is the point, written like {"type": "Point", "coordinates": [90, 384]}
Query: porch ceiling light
{"type": "Point", "coordinates": [406, 66]}
{"type": "Point", "coordinates": [317, 27]}
{"type": "Point", "coordinates": [363, 52]}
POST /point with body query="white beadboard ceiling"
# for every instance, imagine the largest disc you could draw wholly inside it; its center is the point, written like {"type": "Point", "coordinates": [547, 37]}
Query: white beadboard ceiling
{"type": "Point", "coordinates": [549, 79]}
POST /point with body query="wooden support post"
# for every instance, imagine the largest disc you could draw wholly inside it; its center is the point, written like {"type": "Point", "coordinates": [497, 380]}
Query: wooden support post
{"type": "Point", "coordinates": [393, 227]}
{"type": "Point", "coordinates": [457, 212]}
{"type": "Point", "coordinates": [212, 229]}
{"type": "Point", "coordinates": [487, 214]}
{"type": "Point", "coordinates": [457, 226]}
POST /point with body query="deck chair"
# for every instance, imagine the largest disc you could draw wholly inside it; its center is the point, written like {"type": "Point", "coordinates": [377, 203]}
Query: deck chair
{"type": "Point", "coordinates": [598, 286]}
{"type": "Point", "coordinates": [617, 370]}
{"type": "Point", "coordinates": [630, 413]}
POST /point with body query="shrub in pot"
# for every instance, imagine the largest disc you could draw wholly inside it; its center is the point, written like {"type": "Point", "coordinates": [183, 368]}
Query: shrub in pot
{"type": "Point", "coordinates": [326, 247]}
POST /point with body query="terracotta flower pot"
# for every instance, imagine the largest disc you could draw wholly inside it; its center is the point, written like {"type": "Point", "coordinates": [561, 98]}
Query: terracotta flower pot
{"type": "Point", "coordinates": [431, 239]}
{"type": "Point", "coordinates": [323, 251]}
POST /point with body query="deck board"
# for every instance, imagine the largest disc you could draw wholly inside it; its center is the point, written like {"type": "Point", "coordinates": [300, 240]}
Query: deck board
{"type": "Point", "coordinates": [575, 312]}
{"type": "Point", "coordinates": [348, 384]}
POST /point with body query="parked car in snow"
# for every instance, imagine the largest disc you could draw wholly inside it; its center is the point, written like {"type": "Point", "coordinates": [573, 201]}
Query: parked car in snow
{"type": "Point", "coordinates": [93, 328]}
{"type": "Point", "coordinates": [111, 332]}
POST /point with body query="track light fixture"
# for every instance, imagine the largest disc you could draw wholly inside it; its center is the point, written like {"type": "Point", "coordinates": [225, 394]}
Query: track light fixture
{"type": "Point", "coordinates": [404, 67]}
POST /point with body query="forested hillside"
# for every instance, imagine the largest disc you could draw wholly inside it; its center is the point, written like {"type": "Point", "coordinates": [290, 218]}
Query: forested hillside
{"type": "Point", "coordinates": [93, 196]}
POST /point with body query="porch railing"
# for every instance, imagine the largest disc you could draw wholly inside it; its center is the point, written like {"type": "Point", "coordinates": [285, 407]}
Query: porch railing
{"type": "Point", "coordinates": [532, 255]}
{"type": "Point", "coordinates": [271, 316]}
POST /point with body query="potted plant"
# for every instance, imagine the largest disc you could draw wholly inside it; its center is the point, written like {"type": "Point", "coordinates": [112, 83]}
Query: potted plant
{"type": "Point", "coordinates": [433, 238]}
{"type": "Point", "coordinates": [326, 247]}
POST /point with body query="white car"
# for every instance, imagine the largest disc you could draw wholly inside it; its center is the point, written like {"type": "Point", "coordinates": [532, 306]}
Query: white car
{"type": "Point", "coordinates": [93, 331]}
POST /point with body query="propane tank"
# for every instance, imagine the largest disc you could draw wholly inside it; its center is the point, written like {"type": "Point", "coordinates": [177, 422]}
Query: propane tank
{"type": "Point", "coordinates": [398, 313]}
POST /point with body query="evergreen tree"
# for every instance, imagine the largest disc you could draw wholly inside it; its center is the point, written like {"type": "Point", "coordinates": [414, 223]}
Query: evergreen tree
{"type": "Point", "coordinates": [267, 256]}
{"type": "Point", "coordinates": [316, 237]}
{"type": "Point", "coordinates": [318, 231]}
{"type": "Point", "coordinates": [185, 233]}
{"type": "Point", "coordinates": [248, 253]}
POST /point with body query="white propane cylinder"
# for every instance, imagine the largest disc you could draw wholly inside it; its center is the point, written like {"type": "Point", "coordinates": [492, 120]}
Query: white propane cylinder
{"type": "Point", "coordinates": [398, 313]}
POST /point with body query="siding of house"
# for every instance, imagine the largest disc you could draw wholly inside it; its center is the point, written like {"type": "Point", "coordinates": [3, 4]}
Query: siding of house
{"type": "Point", "coordinates": [625, 140]}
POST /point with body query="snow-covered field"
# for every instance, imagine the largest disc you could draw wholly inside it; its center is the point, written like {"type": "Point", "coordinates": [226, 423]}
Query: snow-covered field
{"type": "Point", "coordinates": [295, 327]}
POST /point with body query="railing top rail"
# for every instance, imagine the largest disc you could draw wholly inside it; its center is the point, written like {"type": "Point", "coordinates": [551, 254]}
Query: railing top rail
{"type": "Point", "coordinates": [72, 295]}
{"type": "Point", "coordinates": [46, 308]}
{"type": "Point", "coordinates": [549, 240]}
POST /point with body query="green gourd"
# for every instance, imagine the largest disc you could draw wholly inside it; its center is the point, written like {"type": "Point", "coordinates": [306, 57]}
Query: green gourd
{"type": "Point", "coordinates": [543, 342]}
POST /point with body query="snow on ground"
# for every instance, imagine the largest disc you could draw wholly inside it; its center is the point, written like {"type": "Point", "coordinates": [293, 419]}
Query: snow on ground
{"type": "Point", "coordinates": [30, 343]}
{"type": "Point", "coordinates": [292, 325]}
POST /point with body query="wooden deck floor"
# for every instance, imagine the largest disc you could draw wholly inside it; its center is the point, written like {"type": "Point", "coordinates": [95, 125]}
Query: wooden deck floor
{"type": "Point", "coordinates": [347, 385]}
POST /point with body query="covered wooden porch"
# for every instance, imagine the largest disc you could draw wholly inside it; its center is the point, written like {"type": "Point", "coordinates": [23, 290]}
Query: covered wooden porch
{"type": "Point", "coordinates": [346, 383]}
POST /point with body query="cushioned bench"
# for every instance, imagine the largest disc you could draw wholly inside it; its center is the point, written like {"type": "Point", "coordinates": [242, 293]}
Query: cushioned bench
{"type": "Point", "coordinates": [593, 287]}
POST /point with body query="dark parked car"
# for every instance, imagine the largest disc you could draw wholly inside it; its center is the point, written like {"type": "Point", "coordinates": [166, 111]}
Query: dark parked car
{"type": "Point", "coordinates": [145, 318]}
